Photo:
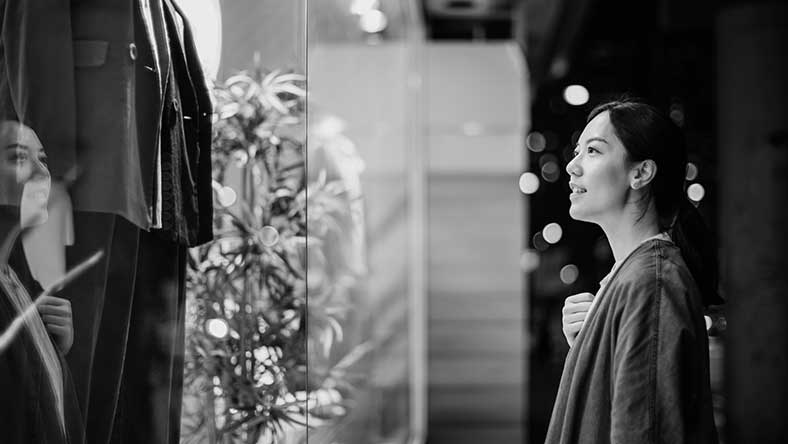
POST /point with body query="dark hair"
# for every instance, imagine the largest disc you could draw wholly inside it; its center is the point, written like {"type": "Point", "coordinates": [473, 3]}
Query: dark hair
{"type": "Point", "coordinates": [649, 134]}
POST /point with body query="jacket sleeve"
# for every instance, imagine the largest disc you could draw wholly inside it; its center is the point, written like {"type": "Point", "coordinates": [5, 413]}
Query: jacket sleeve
{"type": "Point", "coordinates": [655, 394]}
{"type": "Point", "coordinates": [37, 75]}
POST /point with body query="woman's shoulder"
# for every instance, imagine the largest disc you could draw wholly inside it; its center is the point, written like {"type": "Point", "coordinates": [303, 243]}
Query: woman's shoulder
{"type": "Point", "coordinates": [655, 266]}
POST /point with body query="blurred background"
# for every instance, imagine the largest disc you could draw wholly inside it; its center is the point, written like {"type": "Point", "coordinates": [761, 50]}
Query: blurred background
{"type": "Point", "coordinates": [434, 135]}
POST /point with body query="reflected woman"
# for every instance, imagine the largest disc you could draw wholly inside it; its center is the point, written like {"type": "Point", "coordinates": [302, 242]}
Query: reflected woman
{"type": "Point", "coordinates": [38, 399]}
{"type": "Point", "coordinates": [638, 367]}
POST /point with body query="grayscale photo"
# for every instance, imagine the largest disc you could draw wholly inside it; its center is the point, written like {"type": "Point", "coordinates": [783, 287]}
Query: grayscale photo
{"type": "Point", "coordinates": [393, 221]}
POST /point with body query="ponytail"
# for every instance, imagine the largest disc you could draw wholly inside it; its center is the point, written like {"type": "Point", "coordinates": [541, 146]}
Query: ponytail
{"type": "Point", "coordinates": [699, 250]}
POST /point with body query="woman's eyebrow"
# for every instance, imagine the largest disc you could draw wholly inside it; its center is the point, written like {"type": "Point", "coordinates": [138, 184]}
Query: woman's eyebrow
{"type": "Point", "coordinates": [593, 139]}
{"type": "Point", "coordinates": [17, 145]}
{"type": "Point", "coordinates": [596, 139]}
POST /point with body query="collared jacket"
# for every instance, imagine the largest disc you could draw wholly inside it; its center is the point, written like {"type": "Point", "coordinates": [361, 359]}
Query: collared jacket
{"type": "Point", "coordinates": [91, 78]}
{"type": "Point", "coordinates": [638, 372]}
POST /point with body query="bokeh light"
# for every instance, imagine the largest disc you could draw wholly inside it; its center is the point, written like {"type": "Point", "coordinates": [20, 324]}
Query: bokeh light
{"type": "Point", "coordinates": [677, 114]}
{"type": "Point", "coordinates": [551, 172]}
{"type": "Point", "coordinates": [373, 21]}
{"type": "Point", "coordinates": [217, 328]}
{"type": "Point", "coordinates": [226, 196]}
{"type": "Point", "coordinates": [536, 142]}
{"type": "Point", "coordinates": [529, 183]}
{"type": "Point", "coordinates": [539, 243]}
{"type": "Point", "coordinates": [529, 260]}
{"type": "Point", "coordinates": [569, 274]}
{"type": "Point", "coordinates": [240, 157]}
{"type": "Point", "coordinates": [269, 236]}
{"type": "Point", "coordinates": [692, 171]}
{"type": "Point", "coordinates": [547, 157]}
{"type": "Point", "coordinates": [576, 95]}
{"type": "Point", "coordinates": [696, 192]}
{"type": "Point", "coordinates": [552, 233]}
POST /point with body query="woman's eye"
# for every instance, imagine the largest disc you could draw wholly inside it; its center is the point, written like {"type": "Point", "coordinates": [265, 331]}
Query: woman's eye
{"type": "Point", "coordinates": [592, 150]}
{"type": "Point", "coordinates": [17, 156]}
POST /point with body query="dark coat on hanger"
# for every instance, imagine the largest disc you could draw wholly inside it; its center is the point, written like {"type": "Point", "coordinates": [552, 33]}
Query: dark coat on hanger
{"type": "Point", "coordinates": [90, 77]}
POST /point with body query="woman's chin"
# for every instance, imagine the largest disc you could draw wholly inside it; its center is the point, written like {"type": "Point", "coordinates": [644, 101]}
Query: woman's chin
{"type": "Point", "coordinates": [575, 214]}
{"type": "Point", "coordinates": [579, 215]}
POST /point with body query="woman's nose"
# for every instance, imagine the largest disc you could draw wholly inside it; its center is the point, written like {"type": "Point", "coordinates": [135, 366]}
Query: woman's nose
{"type": "Point", "coordinates": [40, 170]}
{"type": "Point", "coordinates": [572, 168]}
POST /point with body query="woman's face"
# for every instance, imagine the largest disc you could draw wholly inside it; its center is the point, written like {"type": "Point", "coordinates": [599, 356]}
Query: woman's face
{"type": "Point", "coordinates": [24, 177]}
{"type": "Point", "coordinates": [598, 173]}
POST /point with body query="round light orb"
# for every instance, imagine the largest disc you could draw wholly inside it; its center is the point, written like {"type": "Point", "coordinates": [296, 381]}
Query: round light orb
{"type": "Point", "coordinates": [529, 260]}
{"type": "Point", "coordinates": [696, 192]}
{"type": "Point", "coordinates": [536, 142]}
{"type": "Point", "coordinates": [267, 378]}
{"type": "Point", "coordinates": [677, 116]}
{"type": "Point", "coordinates": [569, 274]}
{"type": "Point", "coordinates": [576, 95]}
{"type": "Point", "coordinates": [373, 21]}
{"type": "Point", "coordinates": [551, 172]}
{"type": "Point", "coordinates": [547, 157]}
{"type": "Point", "coordinates": [552, 233]}
{"type": "Point", "coordinates": [226, 196]}
{"type": "Point", "coordinates": [217, 328]}
{"type": "Point", "coordinates": [240, 157]}
{"type": "Point", "coordinates": [269, 236]}
{"type": "Point", "coordinates": [559, 67]}
{"type": "Point", "coordinates": [692, 171]}
{"type": "Point", "coordinates": [539, 243]}
{"type": "Point", "coordinates": [529, 183]}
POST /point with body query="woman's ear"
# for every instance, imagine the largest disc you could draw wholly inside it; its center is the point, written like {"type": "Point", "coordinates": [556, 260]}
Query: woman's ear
{"type": "Point", "coordinates": [642, 174]}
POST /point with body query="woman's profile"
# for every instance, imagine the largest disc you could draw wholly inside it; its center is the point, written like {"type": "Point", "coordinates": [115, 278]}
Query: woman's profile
{"type": "Point", "coordinates": [638, 367]}
{"type": "Point", "coordinates": [39, 403]}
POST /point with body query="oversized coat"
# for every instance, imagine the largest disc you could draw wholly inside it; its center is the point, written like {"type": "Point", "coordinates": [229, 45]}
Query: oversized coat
{"type": "Point", "coordinates": [638, 371]}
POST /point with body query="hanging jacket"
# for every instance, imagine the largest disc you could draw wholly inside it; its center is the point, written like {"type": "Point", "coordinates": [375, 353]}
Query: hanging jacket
{"type": "Point", "coordinates": [90, 77]}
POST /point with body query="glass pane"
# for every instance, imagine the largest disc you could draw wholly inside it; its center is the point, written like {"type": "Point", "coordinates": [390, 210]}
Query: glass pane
{"type": "Point", "coordinates": [366, 299]}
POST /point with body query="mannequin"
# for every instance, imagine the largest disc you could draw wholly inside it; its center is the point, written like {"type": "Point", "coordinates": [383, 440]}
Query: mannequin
{"type": "Point", "coordinates": [116, 93]}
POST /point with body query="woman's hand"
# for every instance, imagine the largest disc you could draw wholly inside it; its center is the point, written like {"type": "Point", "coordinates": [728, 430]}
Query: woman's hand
{"type": "Point", "coordinates": [574, 314]}
{"type": "Point", "coordinates": [56, 314]}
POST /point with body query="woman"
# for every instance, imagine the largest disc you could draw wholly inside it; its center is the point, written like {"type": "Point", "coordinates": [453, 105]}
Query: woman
{"type": "Point", "coordinates": [638, 367]}
{"type": "Point", "coordinates": [38, 400]}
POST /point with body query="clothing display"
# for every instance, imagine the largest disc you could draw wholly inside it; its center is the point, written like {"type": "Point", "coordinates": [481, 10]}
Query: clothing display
{"type": "Point", "coordinates": [638, 371]}
{"type": "Point", "coordinates": [131, 310]}
{"type": "Point", "coordinates": [91, 78]}
{"type": "Point", "coordinates": [116, 93]}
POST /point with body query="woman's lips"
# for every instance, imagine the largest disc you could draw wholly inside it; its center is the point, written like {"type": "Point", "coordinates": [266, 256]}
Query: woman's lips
{"type": "Point", "coordinates": [37, 193]}
{"type": "Point", "coordinates": [576, 190]}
